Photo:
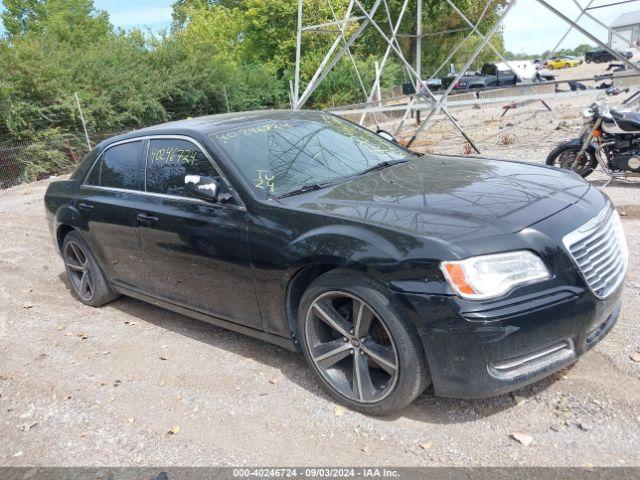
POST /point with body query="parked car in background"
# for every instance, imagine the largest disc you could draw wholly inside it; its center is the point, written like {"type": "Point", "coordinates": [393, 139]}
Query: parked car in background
{"type": "Point", "coordinates": [433, 84]}
{"type": "Point", "coordinates": [491, 75]}
{"type": "Point", "coordinates": [499, 74]}
{"type": "Point", "coordinates": [562, 62]}
{"type": "Point", "coordinates": [388, 270]}
{"type": "Point", "coordinates": [603, 56]}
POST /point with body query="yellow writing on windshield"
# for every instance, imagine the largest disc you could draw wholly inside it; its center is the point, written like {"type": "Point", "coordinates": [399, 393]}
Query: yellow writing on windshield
{"type": "Point", "coordinates": [225, 137]}
{"type": "Point", "coordinates": [265, 181]}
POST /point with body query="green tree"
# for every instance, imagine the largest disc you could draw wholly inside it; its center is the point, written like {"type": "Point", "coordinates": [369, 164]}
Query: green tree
{"type": "Point", "coordinates": [181, 9]}
{"type": "Point", "coordinates": [20, 16]}
{"type": "Point", "coordinates": [73, 21]}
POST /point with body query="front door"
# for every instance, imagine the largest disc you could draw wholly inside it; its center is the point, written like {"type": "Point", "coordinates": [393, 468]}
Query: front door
{"type": "Point", "coordinates": [195, 252]}
{"type": "Point", "coordinates": [110, 195]}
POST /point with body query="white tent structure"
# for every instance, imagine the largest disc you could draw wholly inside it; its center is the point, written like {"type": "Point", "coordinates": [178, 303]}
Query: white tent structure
{"type": "Point", "coordinates": [627, 27]}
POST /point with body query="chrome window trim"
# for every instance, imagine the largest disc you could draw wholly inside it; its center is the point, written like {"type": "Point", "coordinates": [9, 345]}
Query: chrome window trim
{"type": "Point", "coordinates": [146, 146]}
{"type": "Point", "coordinates": [159, 195]}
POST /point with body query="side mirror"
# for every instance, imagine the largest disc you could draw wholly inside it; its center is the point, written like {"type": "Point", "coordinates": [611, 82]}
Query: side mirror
{"type": "Point", "coordinates": [386, 135]}
{"type": "Point", "coordinates": [205, 188]}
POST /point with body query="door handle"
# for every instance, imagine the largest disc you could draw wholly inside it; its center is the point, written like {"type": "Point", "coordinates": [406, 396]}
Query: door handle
{"type": "Point", "coordinates": [85, 207]}
{"type": "Point", "coordinates": [146, 219]}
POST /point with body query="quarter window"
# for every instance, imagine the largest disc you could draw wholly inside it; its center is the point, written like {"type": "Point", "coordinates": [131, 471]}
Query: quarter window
{"type": "Point", "coordinates": [119, 167]}
{"type": "Point", "coordinates": [170, 161]}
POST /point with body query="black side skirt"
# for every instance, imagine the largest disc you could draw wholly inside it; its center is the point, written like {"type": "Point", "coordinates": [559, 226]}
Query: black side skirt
{"type": "Point", "coordinates": [283, 342]}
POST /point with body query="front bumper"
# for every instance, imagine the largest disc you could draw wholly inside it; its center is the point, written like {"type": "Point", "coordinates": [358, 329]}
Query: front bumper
{"type": "Point", "coordinates": [485, 353]}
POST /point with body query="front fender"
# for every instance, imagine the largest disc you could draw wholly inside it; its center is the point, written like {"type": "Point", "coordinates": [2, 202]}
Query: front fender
{"type": "Point", "coordinates": [577, 142]}
{"type": "Point", "coordinates": [401, 265]}
{"type": "Point", "coordinates": [347, 244]}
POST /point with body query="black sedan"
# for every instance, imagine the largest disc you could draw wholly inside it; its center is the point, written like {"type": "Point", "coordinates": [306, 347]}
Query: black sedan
{"type": "Point", "coordinates": [603, 56]}
{"type": "Point", "coordinates": [389, 270]}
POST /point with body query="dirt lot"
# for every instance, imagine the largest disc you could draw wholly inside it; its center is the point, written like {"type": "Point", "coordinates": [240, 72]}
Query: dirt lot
{"type": "Point", "coordinates": [80, 386]}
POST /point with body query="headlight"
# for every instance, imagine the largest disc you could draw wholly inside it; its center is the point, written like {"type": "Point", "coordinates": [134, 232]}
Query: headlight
{"type": "Point", "coordinates": [489, 276]}
{"type": "Point", "coordinates": [587, 114]}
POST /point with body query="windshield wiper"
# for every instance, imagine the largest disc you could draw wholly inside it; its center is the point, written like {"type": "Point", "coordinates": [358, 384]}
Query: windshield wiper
{"type": "Point", "coordinates": [304, 189]}
{"type": "Point", "coordinates": [382, 165]}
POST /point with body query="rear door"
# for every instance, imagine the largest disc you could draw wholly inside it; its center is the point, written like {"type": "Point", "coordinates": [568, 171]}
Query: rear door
{"type": "Point", "coordinates": [107, 202]}
{"type": "Point", "coordinates": [195, 252]}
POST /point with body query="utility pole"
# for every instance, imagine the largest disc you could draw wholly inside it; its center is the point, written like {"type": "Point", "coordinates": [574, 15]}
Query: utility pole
{"type": "Point", "coordinates": [296, 86]}
{"type": "Point", "coordinates": [226, 97]}
{"type": "Point", "coordinates": [418, 52]}
{"type": "Point", "coordinates": [378, 74]}
{"type": "Point", "coordinates": [84, 124]}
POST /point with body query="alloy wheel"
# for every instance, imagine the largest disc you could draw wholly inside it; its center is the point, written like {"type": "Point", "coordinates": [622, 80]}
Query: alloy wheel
{"type": "Point", "coordinates": [351, 347]}
{"type": "Point", "coordinates": [79, 270]}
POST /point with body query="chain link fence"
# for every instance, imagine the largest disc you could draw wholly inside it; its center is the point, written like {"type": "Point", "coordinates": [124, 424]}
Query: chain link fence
{"type": "Point", "coordinates": [30, 160]}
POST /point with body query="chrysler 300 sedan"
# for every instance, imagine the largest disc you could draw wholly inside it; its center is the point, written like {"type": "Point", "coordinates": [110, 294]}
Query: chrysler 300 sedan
{"type": "Point", "coordinates": [389, 270]}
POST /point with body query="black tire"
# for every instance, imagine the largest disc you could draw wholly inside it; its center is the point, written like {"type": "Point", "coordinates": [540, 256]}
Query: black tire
{"type": "Point", "coordinates": [88, 283]}
{"type": "Point", "coordinates": [359, 377]}
{"type": "Point", "coordinates": [561, 157]}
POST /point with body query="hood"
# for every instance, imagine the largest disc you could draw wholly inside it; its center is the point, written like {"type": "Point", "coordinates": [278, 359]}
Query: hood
{"type": "Point", "coordinates": [450, 198]}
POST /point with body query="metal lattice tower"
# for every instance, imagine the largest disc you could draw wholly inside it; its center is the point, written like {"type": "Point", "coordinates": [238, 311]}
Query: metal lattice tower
{"type": "Point", "coordinates": [377, 17]}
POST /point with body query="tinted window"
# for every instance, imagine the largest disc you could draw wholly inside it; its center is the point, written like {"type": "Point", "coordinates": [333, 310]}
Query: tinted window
{"type": "Point", "coordinates": [169, 161]}
{"type": "Point", "coordinates": [94, 175]}
{"type": "Point", "coordinates": [86, 165]}
{"type": "Point", "coordinates": [283, 154]}
{"type": "Point", "coordinates": [119, 167]}
{"type": "Point", "coordinates": [489, 69]}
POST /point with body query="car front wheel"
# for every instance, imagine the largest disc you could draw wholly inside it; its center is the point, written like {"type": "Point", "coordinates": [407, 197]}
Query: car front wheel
{"type": "Point", "coordinates": [360, 346]}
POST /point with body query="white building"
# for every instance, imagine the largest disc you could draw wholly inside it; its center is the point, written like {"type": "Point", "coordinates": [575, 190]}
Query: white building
{"type": "Point", "coordinates": [626, 26]}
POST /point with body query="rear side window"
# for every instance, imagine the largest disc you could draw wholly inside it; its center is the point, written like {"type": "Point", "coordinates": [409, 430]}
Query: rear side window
{"type": "Point", "coordinates": [170, 161]}
{"type": "Point", "coordinates": [119, 167]}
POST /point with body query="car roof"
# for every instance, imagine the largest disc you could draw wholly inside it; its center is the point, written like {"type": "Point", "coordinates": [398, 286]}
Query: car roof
{"type": "Point", "coordinates": [201, 126]}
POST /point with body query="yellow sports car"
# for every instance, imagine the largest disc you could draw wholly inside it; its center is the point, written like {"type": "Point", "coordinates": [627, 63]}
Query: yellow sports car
{"type": "Point", "coordinates": [563, 62]}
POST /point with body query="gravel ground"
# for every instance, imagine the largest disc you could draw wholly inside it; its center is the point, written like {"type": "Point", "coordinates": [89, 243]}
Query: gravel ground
{"type": "Point", "coordinates": [131, 384]}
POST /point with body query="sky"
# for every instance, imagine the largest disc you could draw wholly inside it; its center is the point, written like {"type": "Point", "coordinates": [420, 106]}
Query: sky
{"type": "Point", "coordinates": [529, 27]}
{"type": "Point", "coordinates": [135, 13]}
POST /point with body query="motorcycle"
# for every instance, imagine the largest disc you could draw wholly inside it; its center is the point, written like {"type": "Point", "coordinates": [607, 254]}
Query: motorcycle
{"type": "Point", "coordinates": [610, 138]}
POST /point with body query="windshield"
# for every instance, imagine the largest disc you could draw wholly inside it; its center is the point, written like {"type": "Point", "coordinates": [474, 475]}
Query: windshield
{"type": "Point", "coordinates": [284, 154]}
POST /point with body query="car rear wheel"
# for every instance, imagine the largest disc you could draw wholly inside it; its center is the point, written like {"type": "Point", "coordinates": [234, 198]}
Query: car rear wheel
{"type": "Point", "coordinates": [359, 345]}
{"type": "Point", "coordinates": [85, 276]}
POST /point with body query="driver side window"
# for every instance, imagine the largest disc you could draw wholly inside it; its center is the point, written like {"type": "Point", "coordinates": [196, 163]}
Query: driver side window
{"type": "Point", "coordinates": [169, 161]}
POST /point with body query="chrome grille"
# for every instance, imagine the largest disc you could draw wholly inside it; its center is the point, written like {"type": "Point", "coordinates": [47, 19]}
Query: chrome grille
{"type": "Point", "coordinates": [599, 249]}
